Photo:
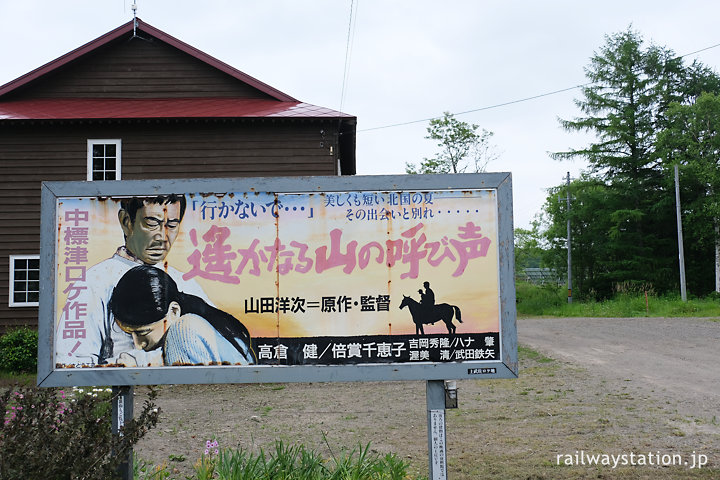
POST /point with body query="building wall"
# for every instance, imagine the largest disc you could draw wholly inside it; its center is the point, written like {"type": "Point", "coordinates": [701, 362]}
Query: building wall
{"type": "Point", "coordinates": [32, 153]}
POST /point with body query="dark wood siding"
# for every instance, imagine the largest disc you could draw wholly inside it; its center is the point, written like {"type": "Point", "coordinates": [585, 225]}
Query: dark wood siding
{"type": "Point", "coordinates": [30, 154]}
{"type": "Point", "coordinates": [25, 159]}
{"type": "Point", "coordinates": [139, 69]}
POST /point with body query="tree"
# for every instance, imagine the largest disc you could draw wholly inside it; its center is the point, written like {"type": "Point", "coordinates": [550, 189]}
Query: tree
{"type": "Point", "coordinates": [632, 219]}
{"type": "Point", "coordinates": [596, 265]}
{"type": "Point", "coordinates": [629, 90]}
{"type": "Point", "coordinates": [461, 147]}
{"type": "Point", "coordinates": [621, 107]}
{"type": "Point", "coordinates": [692, 140]}
{"type": "Point", "coordinates": [528, 247]}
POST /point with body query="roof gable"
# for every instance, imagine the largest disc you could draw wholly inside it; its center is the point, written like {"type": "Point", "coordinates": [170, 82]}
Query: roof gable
{"type": "Point", "coordinates": [77, 74]}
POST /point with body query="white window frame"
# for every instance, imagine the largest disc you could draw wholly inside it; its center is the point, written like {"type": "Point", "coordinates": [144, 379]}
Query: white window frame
{"type": "Point", "coordinates": [11, 299]}
{"type": "Point", "coordinates": [118, 159]}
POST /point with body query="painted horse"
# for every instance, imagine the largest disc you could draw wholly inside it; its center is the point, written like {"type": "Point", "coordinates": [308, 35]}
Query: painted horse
{"type": "Point", "coordinates": [421, 315]}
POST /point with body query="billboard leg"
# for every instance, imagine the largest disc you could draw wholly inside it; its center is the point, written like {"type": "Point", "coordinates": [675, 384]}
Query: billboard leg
{"type": "Point", "coordinates": [122, 412]}
{"type": "Point", "coordinates": [437, 451]}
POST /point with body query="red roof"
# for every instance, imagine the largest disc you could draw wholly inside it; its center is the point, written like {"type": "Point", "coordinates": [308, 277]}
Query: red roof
{"type": "Point", "coordinates": [278, 105]}
{"type": "Point", "coordinates": [103, 108]}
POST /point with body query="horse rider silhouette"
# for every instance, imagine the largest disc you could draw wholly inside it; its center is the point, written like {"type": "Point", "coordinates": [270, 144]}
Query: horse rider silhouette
{"type": "Point", "coordinates": [427, 299]}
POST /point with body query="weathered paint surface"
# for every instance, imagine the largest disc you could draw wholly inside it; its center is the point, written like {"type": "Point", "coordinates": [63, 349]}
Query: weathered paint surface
{"type": "Point", "coordinates": [309, 249]}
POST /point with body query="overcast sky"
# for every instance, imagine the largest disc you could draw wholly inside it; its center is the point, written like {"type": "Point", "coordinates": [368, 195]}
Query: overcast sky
{"type": "Point", "coordinates": [409, 61]}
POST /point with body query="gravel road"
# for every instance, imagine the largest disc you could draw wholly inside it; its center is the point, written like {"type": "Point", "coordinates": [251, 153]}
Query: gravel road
{"type": "Point", "coordinates": [675, 358]}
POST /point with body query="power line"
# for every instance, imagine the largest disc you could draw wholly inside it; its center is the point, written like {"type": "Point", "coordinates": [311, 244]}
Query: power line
{"type": "Point", "coordinates": [348, 51]}
{"type": "Point", "coordinates": [701, 50]}
{"type": "Point", "coordinates": [489, 107]}
{"type": "Point", "coordinates": [512, 102]}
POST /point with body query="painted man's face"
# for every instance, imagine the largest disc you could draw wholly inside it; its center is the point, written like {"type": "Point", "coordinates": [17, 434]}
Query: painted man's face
{"type": "Point", "coordinates": [153, 232]}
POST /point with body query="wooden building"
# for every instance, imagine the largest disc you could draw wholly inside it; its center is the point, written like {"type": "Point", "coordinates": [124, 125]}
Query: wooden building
{"type": "Point", "coordinates": [137, 103]}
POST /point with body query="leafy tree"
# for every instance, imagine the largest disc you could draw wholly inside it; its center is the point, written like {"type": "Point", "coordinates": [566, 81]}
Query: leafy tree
{"type": "Point", "coordinates": [597, 265]}
{"type": "Point", "coordinates": [589, 234]}
{"type": "Point", "coordinates": [528, 247]}
{"type": "Point", "coordinates": [626, 200]}
{"type": "Point", "coordinates": [461, 147]}
{"type": "Point", "coordinates": [692, 140]}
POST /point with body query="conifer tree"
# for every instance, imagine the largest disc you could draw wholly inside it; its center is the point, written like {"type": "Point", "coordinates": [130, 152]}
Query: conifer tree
{"type": "Point", "coordinates": [625, 105]}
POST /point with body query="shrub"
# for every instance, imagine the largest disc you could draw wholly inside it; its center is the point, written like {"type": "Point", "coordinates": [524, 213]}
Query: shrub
{"type": "Point", "coordinates": [47, 434]}
{"type": "Point", "coordinates": [18, 350]}
{"type": "Point", "coordinates": [538, 299]}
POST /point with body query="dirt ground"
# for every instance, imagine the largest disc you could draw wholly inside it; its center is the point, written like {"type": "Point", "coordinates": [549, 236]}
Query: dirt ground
{"type": "Point", "coordinates": [675, 359]}
{"type": "Point", "coordinates": [600, 386]}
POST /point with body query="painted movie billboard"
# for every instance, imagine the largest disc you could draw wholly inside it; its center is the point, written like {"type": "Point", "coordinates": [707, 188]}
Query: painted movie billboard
{"type": "Point", "coordinates": [254, 278]}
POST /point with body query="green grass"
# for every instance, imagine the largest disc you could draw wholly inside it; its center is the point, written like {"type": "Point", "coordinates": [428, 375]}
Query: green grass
{"type": "Point", "coordinates": [12, 378]}
{"type": "Point", "coordinates": [549, 300]}
{"type": "Point", "coordinates": [530, 354]}
{"type": "Point", "coordinates": [286, 462]}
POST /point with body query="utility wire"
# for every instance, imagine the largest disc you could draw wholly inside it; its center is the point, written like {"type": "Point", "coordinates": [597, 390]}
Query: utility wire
{"type": "Point", "coordinates": [511, 102]}
{"type": "Point", "coordinates": [348, 52]}
{"type": "Point", "coordinates": [701, 50]}
{"type": "Point", "coordinates": [497, 105]}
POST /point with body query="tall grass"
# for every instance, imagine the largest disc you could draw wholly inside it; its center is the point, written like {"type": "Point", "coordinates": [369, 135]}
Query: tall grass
{"type": "Point", "coordinates": [287, 462]}
{"type": "Point", "coordinates": [550, 300]}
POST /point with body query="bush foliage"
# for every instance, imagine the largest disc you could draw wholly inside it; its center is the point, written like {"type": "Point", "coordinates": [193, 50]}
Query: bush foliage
{"type": "Point", "coordinates": [46, 434]}
{"type": "Point", "coordinates": [18, 350]}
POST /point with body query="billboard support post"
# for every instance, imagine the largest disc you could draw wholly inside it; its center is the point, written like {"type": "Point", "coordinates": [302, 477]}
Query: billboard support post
{"type": "Point", "coordinates": [122, 412]}
{"type": "Point", "coordinates": [437, 450]}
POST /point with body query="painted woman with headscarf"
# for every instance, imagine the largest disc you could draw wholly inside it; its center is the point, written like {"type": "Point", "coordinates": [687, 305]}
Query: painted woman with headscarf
{"type": "Point", "coordinates": [146, 304]}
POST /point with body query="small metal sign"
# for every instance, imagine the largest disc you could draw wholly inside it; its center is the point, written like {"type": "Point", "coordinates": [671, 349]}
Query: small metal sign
{"type": "Point", "coordinates": [482, 371]}
{"type": "Point", "coordinates": [438, 448]}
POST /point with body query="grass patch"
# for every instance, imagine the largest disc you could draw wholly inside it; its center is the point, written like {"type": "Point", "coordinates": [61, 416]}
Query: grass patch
{"type": "Point", "coordinates": [286, 462]}
{"type": "Point", "coordinates": [23, 379]}
{"type": "Point", "coordinates": [539, 299]}
{"type": "Point", "coordinates": [264, 410]}
{"type": "Point", "coordinates": [550, 300]}
{"type": "Point", "coordinates": [530, 354]}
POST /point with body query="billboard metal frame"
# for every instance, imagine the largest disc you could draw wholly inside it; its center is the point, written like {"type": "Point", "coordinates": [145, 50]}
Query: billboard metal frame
{"type": "Point", "coordinates": [50, 376]}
